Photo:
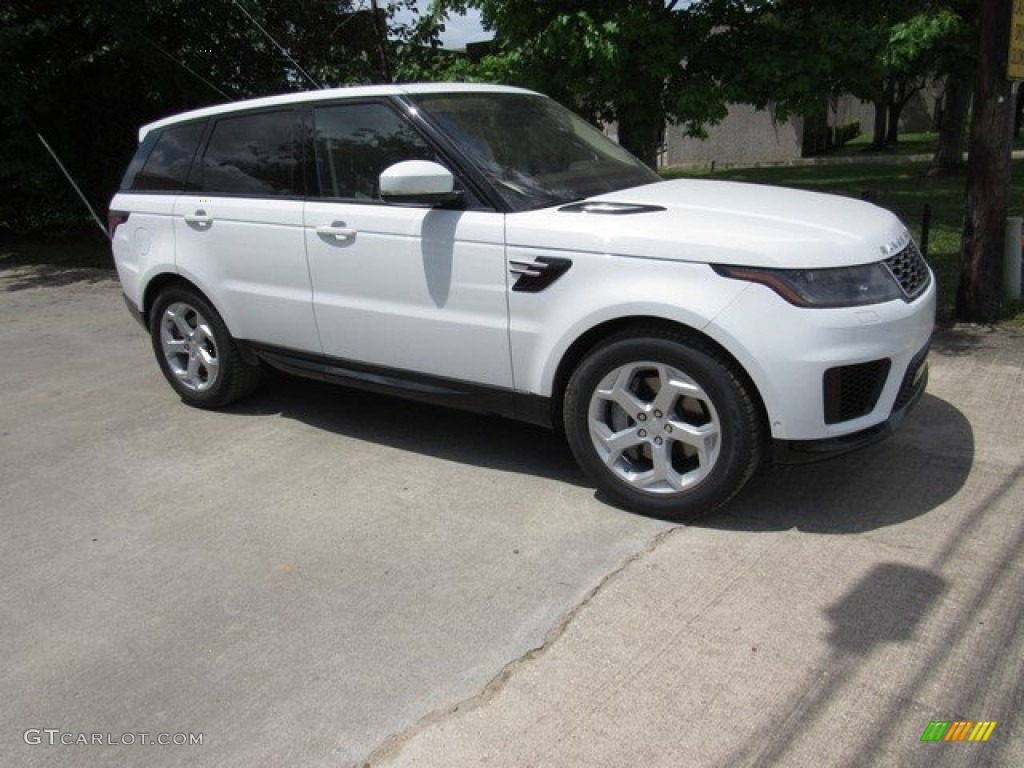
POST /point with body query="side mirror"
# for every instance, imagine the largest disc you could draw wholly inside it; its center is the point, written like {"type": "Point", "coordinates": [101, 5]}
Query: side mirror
{"type": "Point", "coordinates": [418, 182]}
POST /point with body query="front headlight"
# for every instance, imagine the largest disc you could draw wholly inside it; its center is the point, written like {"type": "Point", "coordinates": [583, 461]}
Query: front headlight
{"type": "Point", "coordinates": [832, 287]}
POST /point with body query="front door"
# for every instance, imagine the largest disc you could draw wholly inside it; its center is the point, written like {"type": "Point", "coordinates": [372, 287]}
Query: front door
{"type": "Point", "coordinates": [407, 288]}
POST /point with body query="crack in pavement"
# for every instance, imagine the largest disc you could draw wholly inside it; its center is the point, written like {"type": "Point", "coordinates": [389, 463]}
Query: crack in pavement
{"type": "Point", "coordinates": [393, 744]}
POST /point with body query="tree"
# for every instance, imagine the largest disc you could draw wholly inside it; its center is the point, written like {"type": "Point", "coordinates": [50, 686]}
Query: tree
{"type": "Point", "coordinates": [980, 292]}
{"type": "Point", "coordinates": [912, 58]}
{"type": "Point", "coordinates": [1018, 110]}
{"type": "Point", "coordinates": [801, 53]}
{"type": "Point", "coordinates": [641, 63]}
{"type": "Point", "coordinates": [956, 61]}
{"type": "Point", "coordinates": [87, 74]}
{"type": "Point", "coordinates": [949, 151]}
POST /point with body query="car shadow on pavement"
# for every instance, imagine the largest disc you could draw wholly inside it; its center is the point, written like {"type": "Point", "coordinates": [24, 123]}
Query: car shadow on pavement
{"type": "Point", "coordinates": [445, 433]}
{"type": "Point", "coordinates": [923, 465]}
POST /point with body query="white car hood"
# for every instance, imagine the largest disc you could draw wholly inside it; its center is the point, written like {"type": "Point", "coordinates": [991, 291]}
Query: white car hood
{"type": "Point", "coordinates": [717, 222]}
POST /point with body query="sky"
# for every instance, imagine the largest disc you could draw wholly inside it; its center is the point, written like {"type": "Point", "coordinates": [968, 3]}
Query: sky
{"type": "Point", "coordinates": [459, 30]}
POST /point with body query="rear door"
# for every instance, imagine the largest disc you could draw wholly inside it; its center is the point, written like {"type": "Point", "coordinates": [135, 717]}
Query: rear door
{"type": "Point", "coordinates": [239, 229]}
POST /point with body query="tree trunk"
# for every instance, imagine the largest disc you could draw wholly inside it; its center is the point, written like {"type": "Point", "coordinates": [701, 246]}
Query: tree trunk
{"type": "Point", "coordinates": [899, 95]}
{"type": "Point", "coordinates": [878, 132]}
{"type": "Point", "coordinates": [949, 154]}
{"type": "Point", "coordinates": [641, 131]}
{"type": "Point", "coordinates": [1018, 111]}
{"type": "Point", "coordinates": [892, 129]}
{"type": "Point", "coordinates": [980, 292]}
{"type": "Point", "coordinates": [380, 28]}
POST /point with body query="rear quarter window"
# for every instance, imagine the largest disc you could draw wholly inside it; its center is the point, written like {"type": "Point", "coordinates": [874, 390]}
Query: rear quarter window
{"type": "Point", "coordinates": [163, 159]}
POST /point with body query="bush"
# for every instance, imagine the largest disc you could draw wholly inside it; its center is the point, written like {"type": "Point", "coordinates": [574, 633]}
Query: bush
{"type": "Point", "coordinates": [845, 133]}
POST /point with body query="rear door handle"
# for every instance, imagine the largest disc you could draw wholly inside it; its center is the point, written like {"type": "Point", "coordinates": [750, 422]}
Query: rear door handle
{"type": "Point", "coordinates": [336, 231]}
{"type": "Point", "coordinates": [199, 218]}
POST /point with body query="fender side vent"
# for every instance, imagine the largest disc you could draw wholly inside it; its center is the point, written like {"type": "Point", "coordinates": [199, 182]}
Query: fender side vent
{"type": "Point", "coordinates": [536, 275]}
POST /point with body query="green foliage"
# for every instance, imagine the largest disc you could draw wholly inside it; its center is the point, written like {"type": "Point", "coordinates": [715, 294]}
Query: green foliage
{"type": "Point", "coordinates": [919, 39]}
{"type": "Point", "coordinates": [87, 74]}
{"type": "Point", "coordinates": [645, 62]}
{"type": "Point", "coordinates": [803, 53]}
{"type": "Point", "coordinates": [640, 63]}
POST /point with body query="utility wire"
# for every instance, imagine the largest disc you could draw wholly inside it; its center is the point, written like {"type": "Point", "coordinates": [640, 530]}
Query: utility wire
{"type": "Point", "coordinates": [279, 47]}
{"type": "Point", "coordinates": [380, 27]}
{"type": "Point", "coordinates": [71, 181]}
{"type": "Point", "coordinates": [185, 66]}
{"type": "Point", "coordinates": [348, 17]}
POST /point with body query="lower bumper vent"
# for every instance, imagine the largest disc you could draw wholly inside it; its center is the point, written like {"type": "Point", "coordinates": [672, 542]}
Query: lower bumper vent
{"type": "Point", "coordinates": [852, 391]}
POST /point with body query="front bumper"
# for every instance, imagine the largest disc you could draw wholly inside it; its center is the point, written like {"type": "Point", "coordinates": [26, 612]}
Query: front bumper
{"type": "Point", "coordinates": [806, 451]}
{"type": "Point", "coordinates": [831, 377]}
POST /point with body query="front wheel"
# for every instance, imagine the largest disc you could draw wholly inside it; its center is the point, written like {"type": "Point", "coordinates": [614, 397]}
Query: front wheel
{"type": "Point", "coordinates": [663, 423]}
{"type": "Point", "coordinates": [196, 353]}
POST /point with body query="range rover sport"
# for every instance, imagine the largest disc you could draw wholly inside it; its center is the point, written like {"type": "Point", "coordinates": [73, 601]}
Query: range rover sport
{"type": "Point", "coordinates": [482, 247]}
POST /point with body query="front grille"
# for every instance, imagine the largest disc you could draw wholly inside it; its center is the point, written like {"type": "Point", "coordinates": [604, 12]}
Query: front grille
{"type": "Point", "coordinates": [852, 391]}
{"type": "Point", "coordinates": [912, 384]}
{"type": "Point", "coordinates": [910, 270]}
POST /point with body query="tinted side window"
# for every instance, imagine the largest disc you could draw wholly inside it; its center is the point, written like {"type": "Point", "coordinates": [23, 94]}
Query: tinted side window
{"type": "Point", "coordinates": [162, 161]}
{"type": "Point", "coordinates": [253, 155]}
{"type": "Point", "coordinates": [355, 142]}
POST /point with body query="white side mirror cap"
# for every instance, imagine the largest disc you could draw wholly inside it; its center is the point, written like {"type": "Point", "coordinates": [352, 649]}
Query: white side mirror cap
{"type": "Point", "coordinates": [417, 181]}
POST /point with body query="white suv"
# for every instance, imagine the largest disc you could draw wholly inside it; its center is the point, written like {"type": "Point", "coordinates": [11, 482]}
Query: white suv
{"type": "Point", "coordinates": [482, 247]}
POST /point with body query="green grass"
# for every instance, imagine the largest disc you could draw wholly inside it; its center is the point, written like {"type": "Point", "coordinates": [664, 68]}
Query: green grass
{"type": "Point", "coordinates": [909, 144]}
{"type": "Point", "coordinates": [904, 188]}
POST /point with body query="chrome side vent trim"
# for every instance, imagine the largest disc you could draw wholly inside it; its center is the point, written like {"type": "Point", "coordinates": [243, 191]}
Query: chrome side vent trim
{"type": "Point", "coordinates": [534, 276]}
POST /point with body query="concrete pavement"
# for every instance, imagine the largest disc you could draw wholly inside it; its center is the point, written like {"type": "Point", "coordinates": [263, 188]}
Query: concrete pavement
{"type": "Point", "coordinates": [295, 579]}
{"type": "Point", "coordinates": [328, 578]}
{"type": "Point", "coordinates": [824, 619]}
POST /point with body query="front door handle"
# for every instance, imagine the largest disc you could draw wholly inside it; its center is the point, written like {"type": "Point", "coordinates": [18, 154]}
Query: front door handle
{"type": "Point", "coordinates": [336, 231]}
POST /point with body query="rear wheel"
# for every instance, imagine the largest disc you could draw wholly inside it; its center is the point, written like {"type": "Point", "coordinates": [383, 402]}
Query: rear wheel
{"type": "Point", "coordinates": [196, 353]}
{"type": "Point", "coordinates": [663, 423]}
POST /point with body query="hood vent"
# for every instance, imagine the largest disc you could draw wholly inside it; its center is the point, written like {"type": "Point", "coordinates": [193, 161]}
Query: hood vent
{"type": "Point", "coordinates": [614, 209]}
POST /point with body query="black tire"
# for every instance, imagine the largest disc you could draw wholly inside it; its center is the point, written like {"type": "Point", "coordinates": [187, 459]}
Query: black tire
{"type": "Point", "coordinates": [677, 464]}
{"type": "Point", "coordinates": [195, 351]}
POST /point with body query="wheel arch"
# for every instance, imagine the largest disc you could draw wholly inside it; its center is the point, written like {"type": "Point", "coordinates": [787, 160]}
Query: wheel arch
{"type": "Point", "coordinates": [161, 282]}
{"type": "Point", "coordinates": [601, 333]}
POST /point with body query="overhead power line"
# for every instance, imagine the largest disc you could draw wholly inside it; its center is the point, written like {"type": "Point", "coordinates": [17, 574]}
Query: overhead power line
{"type": "Point", "coordinates": [279, 46]}
{"type": "Point", "coordinates": [181, 63]}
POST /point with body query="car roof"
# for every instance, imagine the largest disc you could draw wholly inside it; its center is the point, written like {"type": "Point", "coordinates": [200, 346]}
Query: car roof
{"type": "Point", "coordinates": [327, 94]}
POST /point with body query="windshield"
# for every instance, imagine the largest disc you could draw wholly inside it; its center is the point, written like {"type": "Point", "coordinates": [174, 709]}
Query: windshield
{"type": "Point", "coordinates": [535, 152]}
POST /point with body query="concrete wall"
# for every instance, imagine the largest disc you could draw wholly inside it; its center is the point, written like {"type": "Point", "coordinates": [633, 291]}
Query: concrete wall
{"type": "Point", "coordinates": [745, 137]}
{"type": "Point", "coordinates": [749, 137]}
{"type": "Point", "coordinates": [915, 118]}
